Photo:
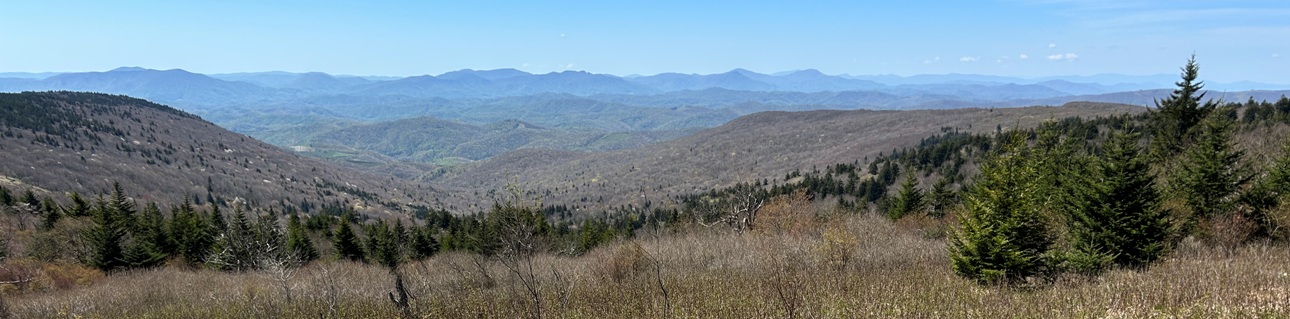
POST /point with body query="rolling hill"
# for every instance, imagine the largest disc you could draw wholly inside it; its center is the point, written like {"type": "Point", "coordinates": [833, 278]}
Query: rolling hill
{"type": "Point", "coordinates": [760, 146]}
{"type": "Point", "coordinates": [59, 142]}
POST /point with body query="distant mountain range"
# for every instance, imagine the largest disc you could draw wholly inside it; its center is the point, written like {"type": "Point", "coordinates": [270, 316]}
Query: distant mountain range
{"type": "Point", "coordinates": [319, 110]}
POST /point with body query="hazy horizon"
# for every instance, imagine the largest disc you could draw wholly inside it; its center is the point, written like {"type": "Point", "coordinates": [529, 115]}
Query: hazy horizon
{"type": "Point", "coordinates": [1234, 40]}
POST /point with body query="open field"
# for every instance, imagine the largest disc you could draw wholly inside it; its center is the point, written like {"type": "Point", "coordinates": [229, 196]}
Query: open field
{"type": "Point", "coordinates": [856, 266]}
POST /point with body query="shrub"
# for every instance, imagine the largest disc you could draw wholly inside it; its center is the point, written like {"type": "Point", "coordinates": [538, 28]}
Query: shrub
{"type": "Point", "coordinates": [837, 246]}
{"type": "Point", "coordinates": [787, 214]}
{"type": "Point", "coordinates": [626, 261]}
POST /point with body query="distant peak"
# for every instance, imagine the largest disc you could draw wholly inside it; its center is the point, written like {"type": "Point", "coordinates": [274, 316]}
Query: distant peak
{"type": "Point", "coordinates": [130, 69]}
{"type": "Point", "coordinates": [807, 72]}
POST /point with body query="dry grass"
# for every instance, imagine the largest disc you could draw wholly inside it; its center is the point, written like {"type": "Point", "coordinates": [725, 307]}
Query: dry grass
{"type": "Point", "coordinates": [892, 271]}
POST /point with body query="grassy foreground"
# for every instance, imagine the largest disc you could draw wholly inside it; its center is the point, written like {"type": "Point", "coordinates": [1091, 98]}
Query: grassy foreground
{"type": "Point", "coordinates": [861, 266]}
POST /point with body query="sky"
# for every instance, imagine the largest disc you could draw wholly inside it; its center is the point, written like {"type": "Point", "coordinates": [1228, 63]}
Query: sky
{"type": "Point", "coordinates": [1233, 40]}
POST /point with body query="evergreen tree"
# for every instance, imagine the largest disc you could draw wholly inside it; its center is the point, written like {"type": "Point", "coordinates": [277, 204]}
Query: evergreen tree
{"type": "Point", "coordinates": [1003, 237]}
{"type": "Point", "coordinates": [346, 242]}
{"type": "Point", "coordinates": [1175, 117]}
{"type": "Point", "coordinates": [5, 197]}
{"type": "Point", "coordinates": [271, 241]}
{"type": "Point", "coordinates": [29, 198]}
{"type": "Point", "coordinates": [50, 212]}
{"type": "Point", "coordinates": [78, 207]}
{"type": "Point", "coordinates": [942, 197]}
{"type": "Point", "coordinates": [1114, 209]}
{"type": "Point", "coordinates": [1271, 191]}
{"type": "Point", "coordinates": [385, 247]}
{"type": "Point", "coordinates": [298, 241]}
{"type": "Point", "coordinates": [191, 233]}
{"type": "Point", "coordinates": [148, 243]}
{"type": "Point", "coordinates": [105, 237]}
{"type": "Point", "coordinates": [909, 200]}
{"type": "Point", "coordinates": [120, 203]}
{"type": "Point", "coordinates": [1211, 172]}
{"type": "Point", "coordinates": [423, 243]}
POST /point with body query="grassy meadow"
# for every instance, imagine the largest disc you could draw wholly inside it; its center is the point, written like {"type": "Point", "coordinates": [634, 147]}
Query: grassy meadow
{"type": "Point", "coordinates": [851, 266]}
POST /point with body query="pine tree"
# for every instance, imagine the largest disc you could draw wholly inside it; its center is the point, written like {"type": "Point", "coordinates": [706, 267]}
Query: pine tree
{"type": "Point", "coordinates": [1269, 192]}
{"type": "Point", "coordinates": [1114, 209]}
{"type": "Point", "coordinates": [1211, 172]}
{"type": "Point", "coordinates": [1003, 236]}
{"type": "Point", "coordinates": [1175, 117]}
{"type": "Point", "coordinates": [105, 237]}
{"type": "Point", "coordinates": [298, 241]}
{"type": "Point", "coordinates": [50, 212]}
{"type": "Point", "coordinates": [909, 200]}
{"type": "Point", "coordinates": [191, 233]}
{"type": "Point", "coordinates": [385, 247]}
{"type": "Point", "coordinates": [148, 243]}
{"type": "Point", "coordinates": [6, 198]}
{"type": "Point", "coordinates": [423, 243]}
{"type": "Point", "coordinates": [942, 197]}
{"type": "Point", "coordinates": [78, 208]}
{"type": "Point", "coordinates": [346, 242]}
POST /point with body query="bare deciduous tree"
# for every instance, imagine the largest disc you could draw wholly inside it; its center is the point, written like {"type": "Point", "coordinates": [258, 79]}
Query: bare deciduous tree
{"type": "Point", "coordinates": [740, 211]}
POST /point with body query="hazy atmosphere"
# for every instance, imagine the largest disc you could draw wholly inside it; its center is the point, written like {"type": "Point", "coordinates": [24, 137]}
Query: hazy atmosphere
{"type": "Point", "coordinates": [1241, 40]}
{"type": "Point", "coordinates": [633, 159]}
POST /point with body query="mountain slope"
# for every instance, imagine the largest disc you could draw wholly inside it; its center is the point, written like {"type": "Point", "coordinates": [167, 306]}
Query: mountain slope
{"type": "Point", "coordinates": [760, 146]}
{"type": "Point", "coordinates": [83, 142]}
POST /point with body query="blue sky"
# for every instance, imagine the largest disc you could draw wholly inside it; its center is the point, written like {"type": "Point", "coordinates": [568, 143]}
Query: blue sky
{"type": "Point", "coordinates": [1234, 40]}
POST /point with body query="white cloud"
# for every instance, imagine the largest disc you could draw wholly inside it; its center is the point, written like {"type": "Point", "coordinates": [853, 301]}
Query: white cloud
{"type": "Point", "coordinates": [932, 60]}
{"type": "Point", "coordinates": [1067, 56]}
{"type": "Point", "coordinates": [968, 59]}
{"type": "Point", "coordinates": [1023, 56]}
{"type": "Point", "coordinates": [562, 35]}
{"type": "Point", "coordinates": [568, 66]}
{"type": "Point", "coordinates": [1276, 55]}
{"type": "Point", "coordinates": [1052, 45]}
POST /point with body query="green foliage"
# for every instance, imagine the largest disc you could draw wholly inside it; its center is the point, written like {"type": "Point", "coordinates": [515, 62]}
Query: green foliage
{"type": "Point", "coordinates": [346, 242]}
{"type": "Point", "coordinates": [6, 198]}
{"type": "Point", "coordinates": [1003, 237]}
{"type": "Point", "coordinates": [106, 236]}
{"type": "Point", "coordinates": [424, 244]}
{"type": "Point", "coordinates": [909, 200]}
{"type": "Point", "coordinates": [191, 233]}
{"type": "Point", "coordinates": [1269, 192]}
{"type": "Point", "coordinates": [50, 213]}
{"type": "Point", "coordinates": [384, 245]}
{"type": "Point", "coordinates": [1175, 117]}
{"type": "Point", "coordinates": [298, 242]}
{"type": "Point", "coordinates": [149, 244]}
{"type": "Point", "coordinates": [1114, 210]}
{"type": "Point", "coordinates": [78, 207]}
{"type": "Point", "coordinates": [4, 247]}
{"type": "Point", "coordinates": [1212, 172]}
{"type": "Point", "coordinates": [941, 198]}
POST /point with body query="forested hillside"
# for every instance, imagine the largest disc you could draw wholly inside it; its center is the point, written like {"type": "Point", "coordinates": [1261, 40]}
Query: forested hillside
{"type": "Point", "coordinates": [58, 143]}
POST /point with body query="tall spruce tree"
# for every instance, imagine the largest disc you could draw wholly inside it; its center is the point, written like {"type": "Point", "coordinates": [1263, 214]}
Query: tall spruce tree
{"type": "Point", "coordinates": [909, 200]}
{"type": "Point", "coordinates": [298, 242]}
{"type": "Point", "coordinates": [147, 243]}
{"type": "Point", "coordinates": [1175, 117]}
{"type": "Point", "coordinates": [942, 197]}
{"type": "Point", "coordinates": [346, 242]}
{"type": "Point", "coordinates": [1003, 236]}
{"type": "Point", "coordinates": [1212, 172]}
{"type": "Point", "coordinates": [1114, 209]}
{"type": "Point", "coordinates": [105, 237]}
{"type": "Point", "coordinates": [1268, 193]}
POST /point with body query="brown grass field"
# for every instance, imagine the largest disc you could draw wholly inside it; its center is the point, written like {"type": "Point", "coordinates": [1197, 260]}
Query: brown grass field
{"type": "Point", "coordinates": [854, 266]}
